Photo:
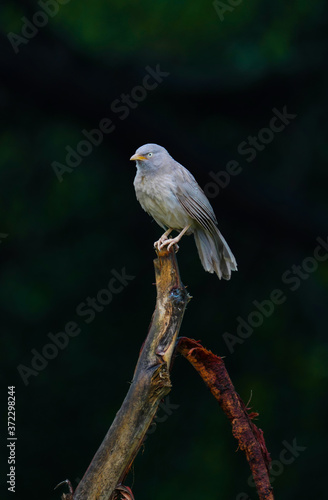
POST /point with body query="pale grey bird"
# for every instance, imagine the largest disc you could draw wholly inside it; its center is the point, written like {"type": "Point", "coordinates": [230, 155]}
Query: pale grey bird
{"type": "Point", "coordinates": [170, 194]}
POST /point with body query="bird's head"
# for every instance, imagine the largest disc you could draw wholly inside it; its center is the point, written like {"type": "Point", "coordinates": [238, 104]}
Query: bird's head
{"type": "Point", "coordinates": [150, 156]}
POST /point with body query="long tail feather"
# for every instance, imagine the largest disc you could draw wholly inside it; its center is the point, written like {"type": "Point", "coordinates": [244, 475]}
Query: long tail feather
{"type": "Point", "coordinates": [214, 253]}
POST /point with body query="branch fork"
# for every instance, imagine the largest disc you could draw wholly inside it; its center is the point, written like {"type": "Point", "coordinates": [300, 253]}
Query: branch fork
{"type": "Point", "coordinates": [151, 382]}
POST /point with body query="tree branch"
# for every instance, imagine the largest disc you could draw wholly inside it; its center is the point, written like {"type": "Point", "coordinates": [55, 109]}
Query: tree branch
{"type": "Point", "coordinates": [151, 382]}
{"type": "Point", "coordinates": [212, 370]}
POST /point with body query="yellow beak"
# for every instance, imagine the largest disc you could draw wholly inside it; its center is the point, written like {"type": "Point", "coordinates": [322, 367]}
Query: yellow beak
{"type": "Point", "coordinates": [138, 157]}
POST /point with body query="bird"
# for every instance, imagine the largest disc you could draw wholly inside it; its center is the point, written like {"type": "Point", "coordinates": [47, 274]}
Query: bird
{"type": "Point", "coordinates": [171, 195]}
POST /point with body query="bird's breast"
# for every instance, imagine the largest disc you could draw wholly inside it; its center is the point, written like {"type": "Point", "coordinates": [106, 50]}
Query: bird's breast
{"type": "Point", "coordinates": [156, 196]}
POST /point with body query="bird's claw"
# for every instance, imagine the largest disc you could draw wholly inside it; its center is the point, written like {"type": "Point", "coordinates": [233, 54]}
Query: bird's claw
{"type": "Point", "coordinates": [159, 244]}
{"type": "Point", "coordinates": [173, 242]}
{"type": "Point", "coordinates": [169, 242]}
{"type": "Point", "coordinates": [162, 241]}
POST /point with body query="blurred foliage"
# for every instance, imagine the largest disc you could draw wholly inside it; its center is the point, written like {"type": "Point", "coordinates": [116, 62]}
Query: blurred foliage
{"type": "Point", "coordinates": [64, 238]}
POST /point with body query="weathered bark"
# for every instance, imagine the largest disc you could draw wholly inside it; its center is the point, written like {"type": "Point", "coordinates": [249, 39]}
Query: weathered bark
{"type": "Point", "coordinates": [151, 382]}
{"type": "Point", "coordinates": [250, 439]}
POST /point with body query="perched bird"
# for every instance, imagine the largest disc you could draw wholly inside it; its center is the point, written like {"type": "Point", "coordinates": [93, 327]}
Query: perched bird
{"type": "Point", "coordinates": [170, 194]}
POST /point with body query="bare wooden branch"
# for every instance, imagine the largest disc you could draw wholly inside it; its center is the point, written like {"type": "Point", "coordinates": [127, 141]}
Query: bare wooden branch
{"type": "Point", "coordinates": [250, 439]}
{"type": "Point", "coordinates": [151, 382]}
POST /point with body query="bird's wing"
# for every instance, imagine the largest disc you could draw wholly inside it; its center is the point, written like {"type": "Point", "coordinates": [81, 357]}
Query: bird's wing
{"type": "Point", "coordinates": [193, 199]}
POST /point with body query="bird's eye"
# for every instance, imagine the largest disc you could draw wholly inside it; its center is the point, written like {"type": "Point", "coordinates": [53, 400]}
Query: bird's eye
{"type": "Point", "coordinates": [150, 154]}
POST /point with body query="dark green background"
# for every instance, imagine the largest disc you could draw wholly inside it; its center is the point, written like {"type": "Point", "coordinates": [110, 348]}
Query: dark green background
{"type": "Point", "coordinates": [64, 238]}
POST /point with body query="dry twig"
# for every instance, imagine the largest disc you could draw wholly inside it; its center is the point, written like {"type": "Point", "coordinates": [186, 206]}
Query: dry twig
{"type": "Point", "coordinates": [250, 439]}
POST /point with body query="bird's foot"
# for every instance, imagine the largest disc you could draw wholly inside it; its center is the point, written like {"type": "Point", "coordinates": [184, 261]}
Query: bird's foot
{"type": "Point", "coordinates": [160, 245]}
{"type": "Point", "coordinates": [170, 243]}
{"type": "Point", "coordinates": [161, 242]}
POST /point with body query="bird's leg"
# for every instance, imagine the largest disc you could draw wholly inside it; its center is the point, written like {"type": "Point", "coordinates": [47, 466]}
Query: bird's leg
{"type": "Point", "coordinates": [158, 244]}
{"type": "Point", "coordinates": [173, 241]}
